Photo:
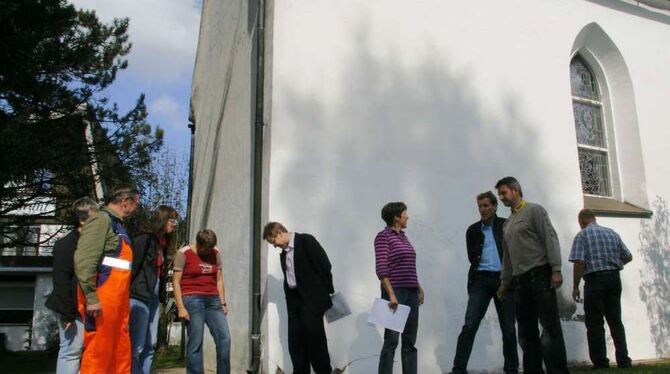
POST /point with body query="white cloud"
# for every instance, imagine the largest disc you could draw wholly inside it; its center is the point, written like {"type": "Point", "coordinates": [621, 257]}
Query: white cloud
{"type": "Point", "coordinates": [169, 112]}
{"type": "Point", "coordinates": [164, 34]}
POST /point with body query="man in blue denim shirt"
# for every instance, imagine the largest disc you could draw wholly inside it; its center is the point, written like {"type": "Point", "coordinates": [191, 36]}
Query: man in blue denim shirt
{"type": "Point", "coordinates": [598, 254]}
{"type": "Point", "coordinates": [484, 245]}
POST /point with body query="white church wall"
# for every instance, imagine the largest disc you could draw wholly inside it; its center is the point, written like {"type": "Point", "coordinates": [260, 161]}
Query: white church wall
{"type": "Point", "coordinates": [431, 103]}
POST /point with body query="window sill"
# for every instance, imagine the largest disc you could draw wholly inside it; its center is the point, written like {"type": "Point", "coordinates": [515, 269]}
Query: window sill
{"type": "Point", "coordinates": [604, 207]}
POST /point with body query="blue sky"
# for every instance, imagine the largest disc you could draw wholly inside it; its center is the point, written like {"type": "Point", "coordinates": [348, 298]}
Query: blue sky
{"type": "Point", "coordinates": [164, 34]}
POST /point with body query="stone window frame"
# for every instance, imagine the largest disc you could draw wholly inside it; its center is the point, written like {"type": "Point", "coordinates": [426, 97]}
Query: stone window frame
{"type": "Point", "coordinates": [627, 172]}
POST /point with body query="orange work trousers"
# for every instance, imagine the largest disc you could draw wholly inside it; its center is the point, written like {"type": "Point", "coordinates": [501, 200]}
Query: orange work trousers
{"type": "Point", "coordinates": [106, 337]}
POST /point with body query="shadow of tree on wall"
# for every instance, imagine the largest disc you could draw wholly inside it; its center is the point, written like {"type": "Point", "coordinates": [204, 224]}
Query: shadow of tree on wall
{"type": "Point", "coordinates": [274, 294]}
{"type": "Point", "coordinates": [655, 276]}
{"type": "Point", "coordinates": [419, 134]}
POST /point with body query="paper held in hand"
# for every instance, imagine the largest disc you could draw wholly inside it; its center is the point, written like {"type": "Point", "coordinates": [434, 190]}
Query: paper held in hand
{"type": "Point", "coordinates": [381, 314]}
{"type": "Point", "coordinates": [339, 309]}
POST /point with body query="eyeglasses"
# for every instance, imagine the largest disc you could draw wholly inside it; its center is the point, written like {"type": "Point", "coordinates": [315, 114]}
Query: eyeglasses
{"type": "Point", "coordinates": [173, 221]}
{"type": "Point", "coordinates": [134, 200]}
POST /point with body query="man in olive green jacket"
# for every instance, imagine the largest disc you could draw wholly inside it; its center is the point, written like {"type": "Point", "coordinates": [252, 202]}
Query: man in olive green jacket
{"type": "Point", "coordinates": [102, 264]}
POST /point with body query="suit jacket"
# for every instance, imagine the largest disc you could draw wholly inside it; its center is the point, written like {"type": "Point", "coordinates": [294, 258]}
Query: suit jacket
{"type": "Point", "coordinates": [312, 273]}
{"type": "Point", "coordinates": [474, 239]}
{"type": "Point", "coordinates": [63, 298]}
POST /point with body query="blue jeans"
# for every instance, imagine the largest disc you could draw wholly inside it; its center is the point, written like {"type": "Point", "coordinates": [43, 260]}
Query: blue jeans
{"type": "Point", "coordinates": [71, 345]}
{"type": "Point", "coordinates": [206, 310]}
{"type": "Point", "coordinates": [484, 287]}
{"type": "Point", "coordinates": [143, 333]}
{"type": "Point", "coordinates": [408, 352]}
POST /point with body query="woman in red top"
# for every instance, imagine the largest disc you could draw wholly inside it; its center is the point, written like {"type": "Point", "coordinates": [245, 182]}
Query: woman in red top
{"type": "Point", "coordinates": [201, 299]}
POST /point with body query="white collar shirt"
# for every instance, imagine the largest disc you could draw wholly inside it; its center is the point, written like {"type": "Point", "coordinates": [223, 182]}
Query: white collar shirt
{"type": "Point", "coordinates": [290, 263]}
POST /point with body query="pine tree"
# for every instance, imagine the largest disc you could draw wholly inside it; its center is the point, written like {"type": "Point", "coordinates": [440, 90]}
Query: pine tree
{"type": "Point", "coordinates": [55, 65]}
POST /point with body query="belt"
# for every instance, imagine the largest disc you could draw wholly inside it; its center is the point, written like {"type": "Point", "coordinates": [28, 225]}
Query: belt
{"type": "Point", "coordinates": [533, 274]}
{"type": "Point", "coordinates": [487, 273]}
{"type": "Point", "coordinates": [410, 289]}
{"type": "Point", "coordinates": [601, 273]}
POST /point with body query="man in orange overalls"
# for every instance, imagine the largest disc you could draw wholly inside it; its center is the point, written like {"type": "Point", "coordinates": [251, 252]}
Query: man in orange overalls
{"type": "Point", "coordinates": [102, 264]}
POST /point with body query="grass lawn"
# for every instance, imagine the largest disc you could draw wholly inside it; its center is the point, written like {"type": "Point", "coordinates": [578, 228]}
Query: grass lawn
{"type": "Point", "coordinates": [45, 362]}
{"type": "Point", "coordinates": [168, 358]}
{"type": "Point", "coordinates": [656, 367]}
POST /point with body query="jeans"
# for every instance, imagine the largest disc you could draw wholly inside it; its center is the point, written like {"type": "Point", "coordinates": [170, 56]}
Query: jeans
{"type": "Point", "coordinates": [602, 298]}
{"type": "Point", "coordinates": [536, 301]}
{"type": "Point", "coordinates": [483, 289]}
{"type": "Point", "coordinates": [143, 333]}
{"type": "Point", "coordinates": [71, 345]}
{"type": "Point", "coordinates": [206, 310]}
{"type": "Point", "coordinates": [409, 297]}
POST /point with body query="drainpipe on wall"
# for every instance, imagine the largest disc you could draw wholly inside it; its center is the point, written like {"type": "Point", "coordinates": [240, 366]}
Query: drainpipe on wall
{"type": "Point", "coordinates": [191, 126]}
{"type": "Point", "coordinates": [255, 335]}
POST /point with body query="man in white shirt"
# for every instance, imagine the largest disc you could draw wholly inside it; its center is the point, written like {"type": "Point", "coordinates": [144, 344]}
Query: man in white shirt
{"type": "Point", "coordinates": [308, 284]}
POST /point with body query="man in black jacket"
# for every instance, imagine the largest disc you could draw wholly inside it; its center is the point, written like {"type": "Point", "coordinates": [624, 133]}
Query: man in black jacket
{"type": "Point", "coordinates": [308, 284]}
{"type": "Point", "coordinates": [63, 298]}
{"type": "Point", "coordinates": [484, 245]}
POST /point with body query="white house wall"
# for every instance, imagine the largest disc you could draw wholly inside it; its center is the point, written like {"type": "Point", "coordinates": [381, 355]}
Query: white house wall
{"type": "Point", "coordinates": [16, 336]}
{"type": "Point", "coordinates": [430, 103]}
{"type": "Point", "coordinates": [222, 95]}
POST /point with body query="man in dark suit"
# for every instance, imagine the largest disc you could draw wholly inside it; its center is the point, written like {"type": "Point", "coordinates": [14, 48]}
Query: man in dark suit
{"type": "Point", "coordinates": [484, 244]}
{"type": "Point", "coordinates": [308, 284]}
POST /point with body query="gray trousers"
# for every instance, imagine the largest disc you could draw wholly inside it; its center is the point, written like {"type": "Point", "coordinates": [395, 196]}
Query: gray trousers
{"type": "Point", "coordinates": [408, 354]}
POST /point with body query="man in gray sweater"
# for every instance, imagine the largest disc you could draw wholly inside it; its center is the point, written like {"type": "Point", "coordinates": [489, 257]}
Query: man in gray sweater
{"type": "Point", "coordinates": [532, 269]}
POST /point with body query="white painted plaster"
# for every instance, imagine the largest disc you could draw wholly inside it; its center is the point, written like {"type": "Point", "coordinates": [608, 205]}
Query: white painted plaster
{"type": "Point", "coordinates": [429, 103]}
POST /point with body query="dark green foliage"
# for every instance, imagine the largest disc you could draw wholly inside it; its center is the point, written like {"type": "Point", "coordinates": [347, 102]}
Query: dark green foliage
{"type": "Point", "coordinates": [55, 65]}
{"type": "Point", "coordinates": [169, 358]}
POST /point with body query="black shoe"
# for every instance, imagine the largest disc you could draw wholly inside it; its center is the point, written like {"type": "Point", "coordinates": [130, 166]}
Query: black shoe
{"type": "Point", "coordinates": [600, 367]}
{"type": "Point", "coordinates": [625, 366]}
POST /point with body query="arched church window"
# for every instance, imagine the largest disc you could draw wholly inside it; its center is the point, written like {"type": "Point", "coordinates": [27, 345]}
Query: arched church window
{"type": "Point", "coordinates": [592, 142]}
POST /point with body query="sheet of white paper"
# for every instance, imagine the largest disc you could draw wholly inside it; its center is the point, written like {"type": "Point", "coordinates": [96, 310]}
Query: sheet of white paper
{"type": "Point", "coordinates": [381, 314]}
{"type": "Point", "coordinates": [339, 309]}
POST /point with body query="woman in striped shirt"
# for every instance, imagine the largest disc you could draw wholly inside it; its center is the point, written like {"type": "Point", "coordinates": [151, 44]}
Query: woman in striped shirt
{"type": "Point", "coordinates": [395, 264]}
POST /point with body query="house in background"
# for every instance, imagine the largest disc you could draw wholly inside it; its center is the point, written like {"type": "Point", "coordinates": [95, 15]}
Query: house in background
{"type": "Point", "coordinates": [26, 246]}
{"type": "Point", "coordinates": [430, 103]}
{"type": "Point", "coordinates": [25, 279]}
